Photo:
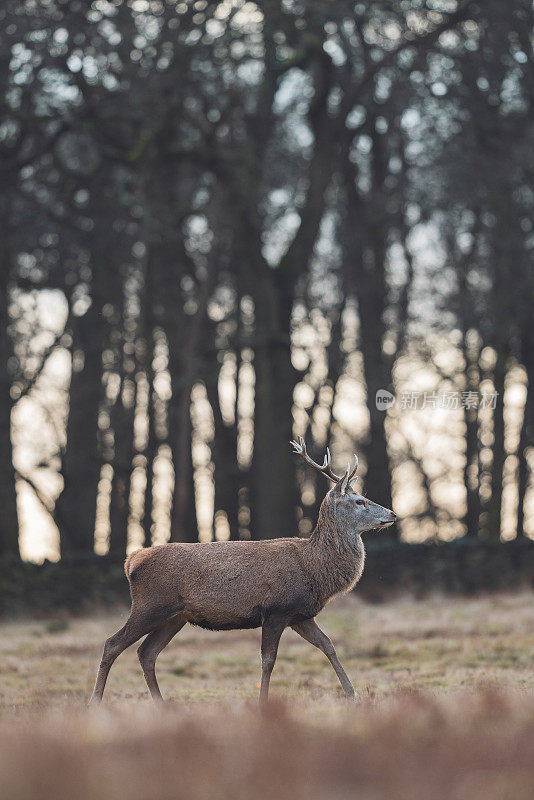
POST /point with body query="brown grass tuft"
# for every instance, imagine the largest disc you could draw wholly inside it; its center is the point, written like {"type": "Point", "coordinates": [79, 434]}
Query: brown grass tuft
{"type": "Point", "coordinates": [412, 746]}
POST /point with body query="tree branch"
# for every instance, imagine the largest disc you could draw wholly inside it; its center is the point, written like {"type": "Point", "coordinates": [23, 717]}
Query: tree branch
{"type": "Point", "coordinates": [39, 371]}
{"type": "Point", "coordinates": [352, 96]}
{"type": "Point", "coordinates": [46, 502]}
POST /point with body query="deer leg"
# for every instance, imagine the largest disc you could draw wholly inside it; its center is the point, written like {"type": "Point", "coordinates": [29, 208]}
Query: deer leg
{"type": "Point", "coordinates": [310, 631]}
{"type": "Point", "coordinates": [152, 646]}
{"type": "Point", "coordinates": [271, 632]}
{"type": "Point", "coordinates": [138, 623]}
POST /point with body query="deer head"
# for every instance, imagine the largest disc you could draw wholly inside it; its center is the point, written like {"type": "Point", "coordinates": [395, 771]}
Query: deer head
{"type": "Point", "coordinates": [348, 507]}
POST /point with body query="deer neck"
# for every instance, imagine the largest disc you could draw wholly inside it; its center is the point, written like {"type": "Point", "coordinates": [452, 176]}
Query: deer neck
{"type": "Point", "coordinates": [337, 555]}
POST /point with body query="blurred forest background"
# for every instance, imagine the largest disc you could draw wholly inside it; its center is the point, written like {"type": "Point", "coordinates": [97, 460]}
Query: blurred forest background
{"type": "Point", "coordinates": [225, 224]}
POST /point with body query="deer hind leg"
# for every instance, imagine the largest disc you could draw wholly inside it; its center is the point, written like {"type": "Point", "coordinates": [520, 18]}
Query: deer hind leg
{"type": "Point", "coordinates": [271, 632]}
{"type": "Point", "coordinates": [152, 646]}
{"type": "Point", "coordinates": [310, 631]}
{"type": "Point", "coordinates": [140, 621]}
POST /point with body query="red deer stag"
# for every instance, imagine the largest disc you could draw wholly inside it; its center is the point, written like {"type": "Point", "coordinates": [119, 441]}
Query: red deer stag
{"type": "Point", "coordinates": [271, 584]}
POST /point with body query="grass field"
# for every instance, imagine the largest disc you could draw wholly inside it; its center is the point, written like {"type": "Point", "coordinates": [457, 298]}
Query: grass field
{"type": "Point", "coordinates": [447, 709]}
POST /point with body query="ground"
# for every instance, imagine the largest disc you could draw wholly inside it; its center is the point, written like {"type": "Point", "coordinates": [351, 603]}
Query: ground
{"type": "Point", "coordinates": [441, 643]}
{"type": "Point", "coordinates": [447, 702]}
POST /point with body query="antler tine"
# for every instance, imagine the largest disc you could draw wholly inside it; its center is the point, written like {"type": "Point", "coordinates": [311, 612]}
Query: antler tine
{"type": "Point", "coordinates": [346, 479]}
{"type": "Point", "coordinates": [349, 475]}
{"type": "Point", "coordinates": [353, 472]}
{"type": "Point", "coordinates": [326, 470]}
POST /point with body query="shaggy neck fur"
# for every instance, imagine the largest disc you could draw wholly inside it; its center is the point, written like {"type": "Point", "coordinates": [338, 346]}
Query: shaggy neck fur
{"type": "Point", "coordinates": [337, 554]}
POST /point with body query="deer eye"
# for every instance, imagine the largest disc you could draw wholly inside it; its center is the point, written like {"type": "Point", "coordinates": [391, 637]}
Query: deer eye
{"type": "Point", "coordinates": [360, 502]}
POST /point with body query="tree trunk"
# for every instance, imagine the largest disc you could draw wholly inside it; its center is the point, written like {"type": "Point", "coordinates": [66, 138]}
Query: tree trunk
{"type": "Point", "coordinates": [494, 506]}
{"type": "Point", "coordinates": [364, 272]}
{"type": "Point", "coordinates": [273, 474]}
{"type": "Point", "coordinates": [184, 355]}
{"type": "Point", "coordinates": [274, 487]}
{"type": "Point", "coordinates": [91, 336]}
{"type": "Point", "coordinates": [526, 441]}
{"type": "Point", "coordinates": [122, 340]}
{"type": "Point", "coordinates": [184, 527]}
{"type": "Point", "coordinates": [472, 452]}
{"type": "Point", "coordinates": [365, 246]}
{"type": "Point", "coordinates": [523, 477]}
{"type": "Point", "coordinates": [122, 421]}
{"type": "Point", "coordinates": [76, 505]}
{"type": "Point", "coordinates": [151, 445]}
{"type": "Point", "coordinates": [9, 532]}
{"type": "Point", "coordinates": [377, 376]}
{"type": "Point", "coordinates": [472, 515]}
{"type": "Point", "coordinates": [227, 476]}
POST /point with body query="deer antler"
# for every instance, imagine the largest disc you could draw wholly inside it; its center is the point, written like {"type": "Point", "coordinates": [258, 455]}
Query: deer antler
{"type": "Point", "coordinates": [300, 447]}
{"type": "Point", "coordinates": [326, 470]}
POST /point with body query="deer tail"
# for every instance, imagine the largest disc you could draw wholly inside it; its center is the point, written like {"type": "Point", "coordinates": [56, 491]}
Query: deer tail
{"type": "Point", "coordinates": [127, 564]}
{"type": "Point", "coordinates": [135, 560]}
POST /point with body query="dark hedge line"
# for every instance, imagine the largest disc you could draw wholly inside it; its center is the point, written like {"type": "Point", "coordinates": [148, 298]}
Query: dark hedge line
{"type": "Point", "coordinates": [460, 567]}
{"type": "Point", "coordinates": [464, 566]}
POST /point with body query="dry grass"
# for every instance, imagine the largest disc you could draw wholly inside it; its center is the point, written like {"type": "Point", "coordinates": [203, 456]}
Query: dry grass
{"type": "Point", "coordinates": [438, 644]}
{"type": "Point", "coordinates": [447, 709]}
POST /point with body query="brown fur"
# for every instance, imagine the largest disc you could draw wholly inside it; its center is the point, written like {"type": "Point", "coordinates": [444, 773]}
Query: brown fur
{"type": "Point", "coordinates": [235, 585]}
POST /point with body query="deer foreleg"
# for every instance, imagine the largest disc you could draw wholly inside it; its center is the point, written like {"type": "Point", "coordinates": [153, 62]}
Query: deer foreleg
{"type": "Point", "coordinates": [310, 631]}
